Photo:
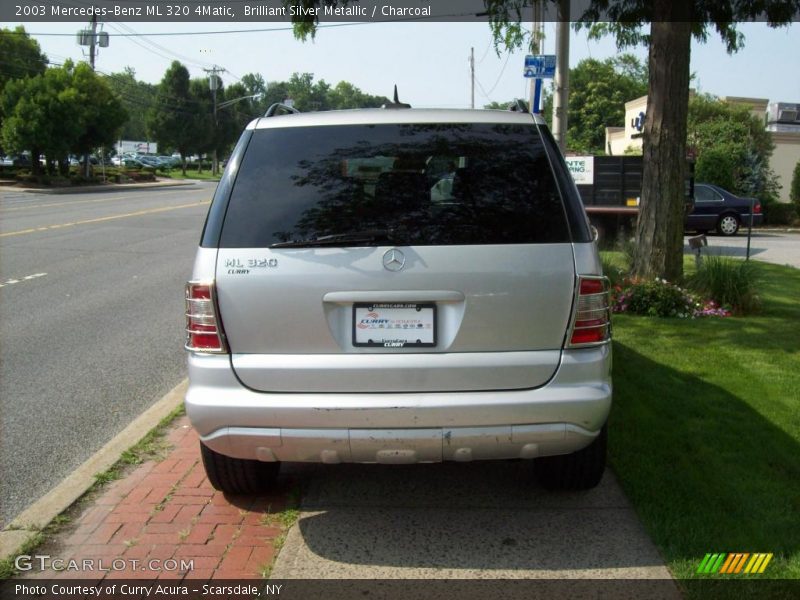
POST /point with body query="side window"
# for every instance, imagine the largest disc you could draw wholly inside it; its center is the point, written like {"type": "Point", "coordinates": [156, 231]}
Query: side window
{"type": "Point", "coordinates": [704, 193]}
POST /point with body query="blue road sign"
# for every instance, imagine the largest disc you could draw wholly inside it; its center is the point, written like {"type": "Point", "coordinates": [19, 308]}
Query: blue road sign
{"type": "Point", "coordinates": [541, 66]}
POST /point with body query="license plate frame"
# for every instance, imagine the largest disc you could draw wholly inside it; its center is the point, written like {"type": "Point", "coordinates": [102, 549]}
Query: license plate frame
{"type": "Point", "coordinates": [396, 315]}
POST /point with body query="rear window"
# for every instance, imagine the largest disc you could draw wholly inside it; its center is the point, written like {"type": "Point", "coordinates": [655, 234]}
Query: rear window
{"type": "Point", "coordinates": [401, 184]}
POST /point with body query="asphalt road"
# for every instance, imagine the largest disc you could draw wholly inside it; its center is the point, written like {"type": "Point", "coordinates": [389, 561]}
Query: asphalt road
{"type": "Point", "coordinates": [91, 318]}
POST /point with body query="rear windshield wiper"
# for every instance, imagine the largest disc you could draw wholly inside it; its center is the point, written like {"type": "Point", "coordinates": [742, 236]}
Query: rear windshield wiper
{"type": "Point", "coordinates": [337, 239]}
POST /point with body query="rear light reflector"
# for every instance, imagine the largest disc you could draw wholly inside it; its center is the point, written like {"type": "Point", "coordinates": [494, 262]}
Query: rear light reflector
{"type": "Point", "coordinates": [757, 208]}
{"type": "Point", "coordinates": [203, 329]}
{"type": "Point", "coordinates": [591, 324]}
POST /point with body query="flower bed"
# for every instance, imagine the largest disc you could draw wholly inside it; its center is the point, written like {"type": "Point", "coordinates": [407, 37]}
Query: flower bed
{"type": "Point", "coordinates": [660, 298]}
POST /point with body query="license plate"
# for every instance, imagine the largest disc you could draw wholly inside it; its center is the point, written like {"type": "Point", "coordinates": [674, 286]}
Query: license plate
{"type": "Point", "coordinates": [395, 325]}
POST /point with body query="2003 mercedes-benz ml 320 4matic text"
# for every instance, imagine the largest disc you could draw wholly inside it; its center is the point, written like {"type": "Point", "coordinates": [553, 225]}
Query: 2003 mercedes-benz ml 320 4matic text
{"type": "Point", "coordinates": [398, 286]}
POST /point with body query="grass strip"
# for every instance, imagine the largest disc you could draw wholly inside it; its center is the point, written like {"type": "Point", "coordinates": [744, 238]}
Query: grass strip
{"type": "Point", "coordinates": [705, 430]}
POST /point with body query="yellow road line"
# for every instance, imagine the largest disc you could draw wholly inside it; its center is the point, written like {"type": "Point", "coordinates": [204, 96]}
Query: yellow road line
{"type": "Point", "coordinates": [70, 202]}
{"type": "Point", "coordinates": [102, 219]}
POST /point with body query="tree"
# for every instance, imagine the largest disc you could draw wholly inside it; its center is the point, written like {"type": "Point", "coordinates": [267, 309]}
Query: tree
{"type": "Point", "coordinates": [41, 115]}
{"type": "Point", "coordinates": [346, 95]}
{"type": "Point", "coordinates": [794, 193]}
{"type": "Point", "coordinates": [170, 119]}
{"type": "Point", "coordinates": [100, 113]}
{"type": "Point", "coordinates": [203, 138]}
{"type": "Point", "coordinates": [306, 94]}
{"type": "Point", "coordinates": [309, 95]}
{"type": "Point", "coordinates": [732, 147]}
{"type": "Point", "coordinates": [64, 110]}
{"type": "Point", "coordinates": [498, 105]}
{"type": "Point", "coordinates": [136, 97]}
{"type": "Point", "coordinates": [598, 91]}
{"type": "Point", "coordinates": [233, 117]}
{"type": "Point", "coordinates": [22, 58]}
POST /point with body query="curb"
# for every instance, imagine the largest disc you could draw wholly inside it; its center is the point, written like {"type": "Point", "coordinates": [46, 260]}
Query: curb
{"type": "Point", "coordinates": [89, 189]}
{"type": "Point", "coordinates": [26, 525]}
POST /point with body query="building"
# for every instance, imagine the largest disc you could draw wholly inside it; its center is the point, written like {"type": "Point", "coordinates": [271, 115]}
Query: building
{"type": "Point", "coordinates": [628, 139]}
{"type": "Point", "coordinates": [781, 119]}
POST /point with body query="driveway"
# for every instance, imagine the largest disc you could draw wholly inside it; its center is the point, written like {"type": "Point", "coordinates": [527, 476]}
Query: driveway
{"type": "Point", "coordinates": [769, 246]}
{"type": "Point", "coordinates": [483, 520]}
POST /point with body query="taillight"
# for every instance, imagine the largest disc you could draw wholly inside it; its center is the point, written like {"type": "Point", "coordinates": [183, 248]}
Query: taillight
{"type": "Point", "coordinates": [592, 322]}
{"type": "Point", "coordinates": [203, 329]}
{"type": "Point", "coordinates": [757, 208]}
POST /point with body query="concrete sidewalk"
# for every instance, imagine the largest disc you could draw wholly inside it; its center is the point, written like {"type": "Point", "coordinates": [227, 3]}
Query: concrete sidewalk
{"type": "Point", "coordinates": [481, 520]}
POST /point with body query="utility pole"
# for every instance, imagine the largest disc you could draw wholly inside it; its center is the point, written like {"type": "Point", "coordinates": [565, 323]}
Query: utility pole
{"type": "Point", "coordinates": [92, 45]}
{"type": "Point", "coordinates": [472, 73]}
{"type": "Point", "coordinates": [537, 44]}
{"type": "Point", "coordinates": [93, 41]}
{"type": "Point", "coordinates": [213, 83]}
{"type": "Point", "coordinates": [90, 37]}
{"type": "Point", "coordinates": [561, 95]}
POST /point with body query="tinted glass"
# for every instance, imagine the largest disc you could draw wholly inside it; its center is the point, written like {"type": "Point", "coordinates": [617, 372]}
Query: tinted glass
{"type": "Point", "coordinates": [705, 194]}
{"type": "Point", "coordinates": [419, 184]}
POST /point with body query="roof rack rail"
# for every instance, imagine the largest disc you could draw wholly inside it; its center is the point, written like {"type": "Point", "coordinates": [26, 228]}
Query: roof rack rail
{"type": "Point", "coordinates": [396, 103]}
{"type": "Point", "coordinates": [278, 109]}
{"type": "Point", "coordinates": [518, 106]}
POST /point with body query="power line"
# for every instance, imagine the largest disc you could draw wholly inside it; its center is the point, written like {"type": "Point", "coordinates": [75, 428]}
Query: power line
{"type": "Point", "coordinates": [156, 47]}
{"type": "Point", "coordinates": [508, 56]}
{"type": "Point", "coordinates": [135, 41]}
{"type": "Point", "coordinates": [264, 30]}
{"type": "Point", "coordinates": [486, 52]}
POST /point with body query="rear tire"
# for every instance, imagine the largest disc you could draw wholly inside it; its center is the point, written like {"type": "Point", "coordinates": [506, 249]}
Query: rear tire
{"type": "Point", "coordinates": [728, 224]}
{"type": "Point", "coordinates": [237, 475]}
{"type": "Point", "coordinates": [581, 470]}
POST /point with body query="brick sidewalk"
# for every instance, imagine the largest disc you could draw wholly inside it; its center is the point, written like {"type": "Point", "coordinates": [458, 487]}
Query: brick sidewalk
{"type": "Point", "coordinates": [167, 509]}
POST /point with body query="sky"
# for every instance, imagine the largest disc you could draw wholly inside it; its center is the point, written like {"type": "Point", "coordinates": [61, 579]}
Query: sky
{"type": "Point", "coordinates": [428, 61]}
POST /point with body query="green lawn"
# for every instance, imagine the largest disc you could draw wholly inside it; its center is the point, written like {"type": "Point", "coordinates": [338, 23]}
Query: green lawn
{"type": "Point", "coordinates": [176, 174]}
{"type": "Point", "coordinates": [705, 430]}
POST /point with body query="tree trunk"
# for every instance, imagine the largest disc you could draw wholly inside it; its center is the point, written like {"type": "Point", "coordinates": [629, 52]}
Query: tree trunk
{"type": "Point", "coordinates": [659, 231]}
{"type": "Point", "coordinates": [36, 166]}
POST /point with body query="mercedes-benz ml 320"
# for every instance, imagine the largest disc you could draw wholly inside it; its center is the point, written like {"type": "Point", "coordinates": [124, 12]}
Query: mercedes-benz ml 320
{"type": "Point", "coordinates": [398, 286]}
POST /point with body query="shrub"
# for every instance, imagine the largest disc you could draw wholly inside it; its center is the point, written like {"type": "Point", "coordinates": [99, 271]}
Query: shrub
{"type": "Point", "coordinates": [794, 191]}
{"type": "Point", "coordinates": [655, 298]}
{"type": "Point", "coordinates": [731, 282]}
{"type": "Point", "coordinates": [659, 298]}
{"type": "Point", "coordinates": [780, 213]}
{"type": "Point", "coordinates": [141, 176]}
{"type": "Point", "coordinates": [616, 274]}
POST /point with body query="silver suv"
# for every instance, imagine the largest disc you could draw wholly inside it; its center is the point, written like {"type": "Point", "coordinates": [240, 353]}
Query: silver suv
{"type": "Point", "coordinates": [398, 286]}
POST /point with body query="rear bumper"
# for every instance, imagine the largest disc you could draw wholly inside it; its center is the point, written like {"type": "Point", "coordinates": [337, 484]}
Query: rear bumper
{"type": "Point", "coordinates": [561, 417]}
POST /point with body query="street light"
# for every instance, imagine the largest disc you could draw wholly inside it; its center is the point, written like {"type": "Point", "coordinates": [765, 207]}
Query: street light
{"type": "Point", "coordinates": [215, 164]}
{"type": "Point", "coordinates": [235, 100]}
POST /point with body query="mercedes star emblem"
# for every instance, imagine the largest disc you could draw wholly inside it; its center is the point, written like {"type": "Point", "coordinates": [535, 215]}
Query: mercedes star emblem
{"type": "Point", "coordinates": [394, 260]}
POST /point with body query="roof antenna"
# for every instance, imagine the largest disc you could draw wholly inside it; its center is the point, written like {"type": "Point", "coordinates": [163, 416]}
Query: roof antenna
{"type": "Point", "coordinates": [396, 103]}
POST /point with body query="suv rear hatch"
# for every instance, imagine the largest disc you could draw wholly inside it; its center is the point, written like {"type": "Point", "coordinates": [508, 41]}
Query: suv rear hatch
{"type": "Point", "coordinates": [395, 258]}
